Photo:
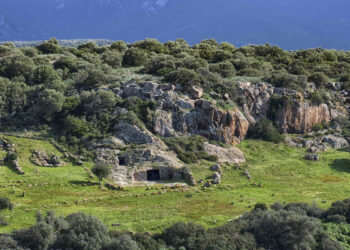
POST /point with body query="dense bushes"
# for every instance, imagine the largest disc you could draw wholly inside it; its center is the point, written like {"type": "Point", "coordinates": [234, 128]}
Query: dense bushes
{"type": "Point", "coordinates": [72, 90]}
{"type": "Point", "coordinates": [265, 130]}
{"type": "Point", "coordinates": [289, 226]}
{"type": "Point", "coordinates": [190, 149]}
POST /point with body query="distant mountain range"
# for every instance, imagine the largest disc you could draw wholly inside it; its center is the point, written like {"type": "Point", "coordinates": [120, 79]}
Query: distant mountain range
{"type": "Point", "coordinates": [290, 24]}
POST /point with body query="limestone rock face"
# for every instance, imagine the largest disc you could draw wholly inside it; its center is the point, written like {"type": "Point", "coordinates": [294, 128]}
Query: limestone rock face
{"type": "Point", "coordinates": [229, 155]}
{"type": "Point", "coordinates": [131, 133]}
{"type": "Point", "coordinates": [213, 123]}
{"type": "Point", "coordinates": [296, 115]}
{"type": "Point", "coordinates": [302, 117]}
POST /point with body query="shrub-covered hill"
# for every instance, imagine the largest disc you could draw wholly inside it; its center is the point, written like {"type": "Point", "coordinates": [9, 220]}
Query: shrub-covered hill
{"type": "Point", "coordinates": [72, 93]}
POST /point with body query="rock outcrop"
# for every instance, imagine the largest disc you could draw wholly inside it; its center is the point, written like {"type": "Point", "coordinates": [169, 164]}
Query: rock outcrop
{"type": "Point", "coordinates": [41, 158]}
{"type": "Point", "coordinates": [301, 117]}
{"type": "Point", "coordinates": [229, 155]}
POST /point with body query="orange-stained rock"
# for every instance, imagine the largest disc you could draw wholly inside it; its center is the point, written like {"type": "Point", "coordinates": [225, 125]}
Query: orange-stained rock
{"type": "Point", "coordinates": [301, 117]}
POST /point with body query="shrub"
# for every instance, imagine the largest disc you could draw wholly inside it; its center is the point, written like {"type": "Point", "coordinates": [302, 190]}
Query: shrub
{"type": "Point", "coordinates": [265, 130]}
{"type": "Point", "coordinates": [190, 149]}
{"type": "Point", "coordinates": [295, 82]}
{"type": "Point", "coordinates": [112, 58]}
{"type": "Point", "coordinates": [101, 170]}
{"type": "Point", "coordinates": [44, 74]}
{"type": "Point", "coordinates": [38, 236]}
{"type": "Point", "coordinates": [123, 242]}
{"type": "Point", "coordinates": [49, 47]}
{"type": "Point", "coordinates": [183, 76]}
{"type": "Point", "coordinates": [319, 78]}
{"type": "Point", "coordinates": [6, 242]}
{"type": "Point", "coordinates": [134, 57]}
{"type": "Point", "coordinates": [318, 97]}
{"type": "Point", "coordinates": [160, 65]}
{"type": "Point", "coordinates": [225, 69]}
{"type": "Point", "coordinates": [183, 235]}
{"type": "Point", "coordinates": [85, 232]}
{"type": "Point", "coordinates": [5, 203]}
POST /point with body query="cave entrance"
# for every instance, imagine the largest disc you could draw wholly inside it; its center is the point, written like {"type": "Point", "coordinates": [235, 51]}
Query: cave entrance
{"type": "Point", "coordinates": [122, 161]}
{"type": "Point", "coordinates": [153, 175]}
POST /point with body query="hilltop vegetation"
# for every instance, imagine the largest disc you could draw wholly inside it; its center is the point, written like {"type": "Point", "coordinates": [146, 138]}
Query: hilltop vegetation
{"type": "Point", "coordinates": [69, 91]}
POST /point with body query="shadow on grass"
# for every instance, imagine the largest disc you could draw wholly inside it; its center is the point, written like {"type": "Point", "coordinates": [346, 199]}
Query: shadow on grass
{"type": "Point", "coordinates": [82, 183]}
{"type": "Point", "coordinates": [347, 149]}
{"type": "Point", "coordinates": [341, 165]}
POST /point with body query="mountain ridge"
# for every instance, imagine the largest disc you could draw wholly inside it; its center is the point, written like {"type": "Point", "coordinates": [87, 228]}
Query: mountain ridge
{"type": "Point", "coordinates": [288, 24]}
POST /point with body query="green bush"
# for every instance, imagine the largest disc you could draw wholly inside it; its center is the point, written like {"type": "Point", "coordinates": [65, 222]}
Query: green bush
{"type": "Point", "coordinates": [265, 130]}
{"type": "Point", "coordinates": [225, 69]}
{"type": "Point", "coordinates": [319, 78]}
{"type": "Point", "coordinates": [101, 170]}
{"type": "Point", "coordinates": [185, 77]}
{"type": "Point", "coordinates": [135, 57]}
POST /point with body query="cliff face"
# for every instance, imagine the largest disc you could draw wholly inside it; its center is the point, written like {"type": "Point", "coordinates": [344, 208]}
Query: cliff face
{"type": "Point", "coordinates": [301, 117]}
{"type": "Point", "coordinates": [294, 115]}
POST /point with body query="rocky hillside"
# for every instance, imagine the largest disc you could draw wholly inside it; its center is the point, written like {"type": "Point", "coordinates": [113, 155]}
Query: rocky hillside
{"type": "Point", "coordinates": [150, 109]}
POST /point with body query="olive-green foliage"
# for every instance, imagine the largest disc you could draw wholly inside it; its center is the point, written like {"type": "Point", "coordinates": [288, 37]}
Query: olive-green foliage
{"type": "Point", "coordinates": [83, 232]}
{"type": "Point", "coordinates": [160, 64]}
{"type": "Point", "coordinates": [189, 149]}
{"type": "Point", "coordinates": [296, 82]}
{"type": "Point", "coordinates": [225, 69]}
{"type": "Point", "coordinates": [112, 58]}
{"type": "Point", "coordinates": [49, 47]}
{"type": "Point", "coordinates": [265, 130]}
{"type": "Point", "coordinates": [49, 102]}
{"type": "Point", "coordinates": [6, 242]}
{"type": "Point", "coordinates": [143, 110]}
{"type": "Point", "coordinates": [319, 78]}
{"type": "Point", "coordinates": [123, 242]}
{"type": "Point", "coordinates": [319, 97]}
{"type": "Point", "coordinates": [44, 74]}
{"type": "Point", "coordinates": [290, 226]}
{"type": "Point", "coordinates": [135, 57]}
{"type": "Point", "coordinates": [185, 77]}
{"type": "Point", "coordinates": [101, 170]}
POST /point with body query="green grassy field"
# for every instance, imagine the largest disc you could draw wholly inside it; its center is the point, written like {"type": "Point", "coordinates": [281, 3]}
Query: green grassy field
{"type": "Point", "coordinates": [283, 174]}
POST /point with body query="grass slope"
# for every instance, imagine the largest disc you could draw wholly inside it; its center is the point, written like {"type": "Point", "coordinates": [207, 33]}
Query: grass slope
{"type": "Point", "coordinates": [284, 176]}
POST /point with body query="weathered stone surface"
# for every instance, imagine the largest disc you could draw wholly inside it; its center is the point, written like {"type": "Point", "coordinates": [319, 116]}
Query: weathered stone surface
{"type": "Point", "coordinates": [216, 178]}
{"type": "Point", "coordinates": [163, 123]}
{"type": "Point", "coordinates": [335, 142]}
{"type": "Point", "coordinates": [107, 156]}
{"type": "Point", "coordinates": [215, 167]}
{"type": "Point", "coordinates": [195, 91]}
{"type": "Point", "coordinates": [40, 158]}
{"type": "Point", "coordinates": [301, 117]}
{"type": "Point", "coordinates": [230, 155]}
{"type": "Point", "coordinates": [131, 133]}
{"type": "Point", "coordinates": [312, 157]}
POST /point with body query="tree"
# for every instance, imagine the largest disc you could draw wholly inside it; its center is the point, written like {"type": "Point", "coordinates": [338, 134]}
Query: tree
{"type": "Point", "coordinates": [101, 170]}
{"type": "Point", "coordinates": [319, 78]}
{"type": "Point", "coordinates": [38, 236]}
{"type": "Point", "coordinates": [85, 232]}
{"type": "Point", "coordinates": [44, 74]}
{"type": "Point", "coordinates": [49, 47]}
{"type": "Point", "coordinates": [49, 102]}
{"type": "Point", "coordinates": [134, 57]}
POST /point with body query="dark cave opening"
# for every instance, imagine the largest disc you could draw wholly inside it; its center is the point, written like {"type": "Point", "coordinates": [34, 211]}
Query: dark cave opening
{"type": "Point", "coordinates": [153, 175]}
